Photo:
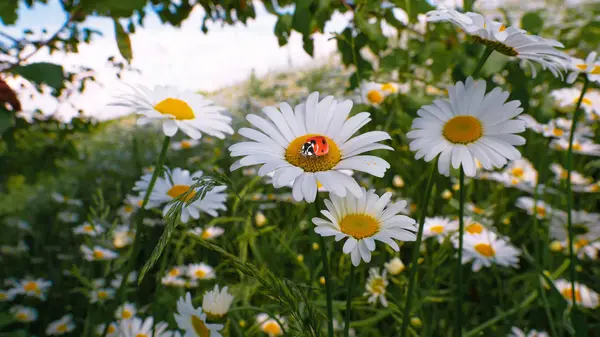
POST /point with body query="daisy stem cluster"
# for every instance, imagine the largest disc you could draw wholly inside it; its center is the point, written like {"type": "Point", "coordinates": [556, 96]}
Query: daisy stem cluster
{"type": "Point", "coordinates": [576, 115]}
{"type": "Point", "coordinates": [415, 254]}
{"type": "Point", "coordinates": [349, 300]}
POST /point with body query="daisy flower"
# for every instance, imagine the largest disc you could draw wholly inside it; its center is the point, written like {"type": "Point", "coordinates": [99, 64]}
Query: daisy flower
{"type": "Point", "coordinates": [88, 229]}
{"type": "Point", "coordinates": [97, 253]}
{"type": "Point", "coordinates": [36, 288]}
{"type": "Point", "coordinates": [24, 314]}
{"type": "Point", "coordinates": [364, 220]}
{"type": "Point", "coordinates": [397, 181]}
{"type": "Point", "coordinates": [373, 93]}
{"type": "Point", "coordinates": [216, 303]}
{"type": "Point", "coordinates": [112, 331]}
{"type": "Point", "coordinates": [193, 320]}
{"type": "Point", "coordinates": [487, 248]}
{"type": "Point", "coordinates": [116, 282]}
{"type": "Point", "coordinates": [566, 99]}
{"type": "Point", "coordinates": [584, 296]}
{"type": "Point", "coordinates": [200, 271]}
{"type": "Point", "coordinates": [8, 295]}
{"type": "Point", "coordinates": [208, 233]}
{"type": "Point", "coordinates": [472, 226]}
{"type": "Point", "coordinates": [63, 199]}
{"type": "Point", "coordinates": [125, 311]}
{"type": "Point", "coordinates": [581, 145]}
{"type": "Point", "coordinates": [131, 204]}
{"type": "Point", "coordinates": [68, 217]}
{"type": "Point", "coordinates": [583, 247]}
{"type": "Point", "coordinates": [590, 67]}
{"type": "Point", "coordinates": [516, 332]}
{"type": "Point", "coordinates": [531, 123]}
{"type": "Point", "coordinates": [60, 327]}
{"type": "Point", "coordinates": [101, 295]}
{"type": "Point", "coordinates": [173, 281]}
{"type": "Point", "coordinates": [586, 227]}
{"type": "Point", "coordinates": [177, 182]}
{"type": "Point", "coordinates": [522, 171]}
{"type": "Point", "coordinates": [542, 210]}
{"type": "Point", "coordinates": [395, 266]}
{"type": "Point", "coordinates": [470, 125]}
{"type": "Point", "coordinates": [438, 227]}
{"type": "Point", "coordinates": [577, 178]}
{"type": "Point", "coordinates": [184, 144]}
{"type": "Point", "coordinates": [288, 139]}
{"type": "Point", "coordinates": [122, 236]}
{"type": "Point", "coordinates": [269, 325]}
{"type": "Point", "coordinates": [185, 110]}
{"type": "Point", "coordinates": [376, 286]}
{"type": "Point", "coordinates": [136, 327]}
{"type": "Point", "coordinates": [509, 41]}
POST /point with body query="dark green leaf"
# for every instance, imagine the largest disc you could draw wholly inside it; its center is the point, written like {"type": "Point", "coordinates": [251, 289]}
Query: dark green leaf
{"type": "Point", "coordinates": [532, 22]}
{"type": "Point", "coordinates": [7, 119]}
{"type": "Point", "coordinates": [283, 28]}
{"type": "Point", "coordinates": [123, 41]}
{"type": "Point", "coordinates": [301, 21]}
{"type": "Point", "coordinates": [113, 8]}
{"type": "Point", "coordinates": [373, 31]}
{"type": "Point", "coordinates": [42, 73]}
{"type": "Point", "coordinates": [308, 45]}
{"type": "Point", "coordinates": [495, 64]}
{"type": "Point", "coordinates": [8, 11]}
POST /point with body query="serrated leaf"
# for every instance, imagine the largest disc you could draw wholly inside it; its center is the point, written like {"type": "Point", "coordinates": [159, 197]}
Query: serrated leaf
{"type": "Point", "coordinates": [42, 73]}
{"type": "Point", "coordinates": [123, 41]}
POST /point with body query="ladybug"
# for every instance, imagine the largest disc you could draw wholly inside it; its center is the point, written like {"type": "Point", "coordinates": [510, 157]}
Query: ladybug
{"type": "Point", "coordinates": [315, 146]}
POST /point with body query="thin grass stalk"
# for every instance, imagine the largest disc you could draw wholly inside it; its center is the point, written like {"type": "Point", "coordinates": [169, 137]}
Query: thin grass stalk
{"type": "Point", "coordinates": [349, 300]}
{"type": "Point", "coordinates": [326, 274]}
{"type": "Point", "coordinates": [461, 230]}
{"type": "Point", "coordinates": [416, 249]}
{"type": "Point", "coordinates": [572, 266]}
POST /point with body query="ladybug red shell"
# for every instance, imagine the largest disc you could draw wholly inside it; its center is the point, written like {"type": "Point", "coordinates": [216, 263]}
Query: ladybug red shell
{"type": "Point", "coordinates": [315, 146]}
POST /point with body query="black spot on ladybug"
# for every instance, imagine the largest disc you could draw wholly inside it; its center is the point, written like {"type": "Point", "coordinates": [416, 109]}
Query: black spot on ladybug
{"type": "Point", "coordinates": [324, 141]}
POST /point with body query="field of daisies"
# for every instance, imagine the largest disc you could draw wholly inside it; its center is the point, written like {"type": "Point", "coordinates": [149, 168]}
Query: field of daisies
{"type": "Point", "coordinates": [428, 201]}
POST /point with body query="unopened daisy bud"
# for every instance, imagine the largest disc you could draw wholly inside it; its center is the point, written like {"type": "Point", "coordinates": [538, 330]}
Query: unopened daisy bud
{"type": "Point", "coordinates": [322, 280]}
{"type": "Point", "coordinates": [300, 258]}
{"type": "Point", "coordinates": [555, 246]}
{"type": "Point", "coordinates": [315, 246]}
{"type": "Point", "coordinates": [260, 219]}
{"type": "Point", "coordinates": [242, 323]}
{"type": "Point", "coordinates": [446, 194]}
{"type": "Point", "coordinates": [456, 187]}
{"type": "Point", "coordinates": [420, 260]}
{"type": "Point", "coordinates": [398, 181]}
{"type": "Point", "coordinates": [395, 266]}
{"type": "Point", "coordinates": [416, 322]}
{"type": "Point", "coordinates": [506, 221]}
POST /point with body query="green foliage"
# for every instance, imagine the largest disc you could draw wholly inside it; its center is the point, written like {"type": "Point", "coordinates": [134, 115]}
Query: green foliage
{"type": "Point", "coordinates": [42, 73]}
{"type": "Point", "coordinates": [532, 22]}
{"type": "Point", "coordinates": [8, 12]}
{"type": "Point", "coordinates": [123, 41]}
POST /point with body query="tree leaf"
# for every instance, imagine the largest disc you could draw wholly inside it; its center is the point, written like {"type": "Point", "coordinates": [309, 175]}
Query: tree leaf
{"type": "Point", "coordinates": [301, 21]}
{"type": "Point", "coordinates": [42, 73]}
{"type": "Point", "coordinates": [8, 12]}
{"type": "Point", "coordinates": [123, 41]}
{"type": "Point", "coordinates": [532, 22]}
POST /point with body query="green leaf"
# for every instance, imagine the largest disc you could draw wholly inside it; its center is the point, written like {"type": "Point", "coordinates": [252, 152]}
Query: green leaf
{"type": "Point", "coordinates": [113, 8]}
{"type": "Point", "coordinates": [495, 64]}
{"type": "Point", "coordinates": [301, 20]}
{"type": "Point", "coordinates": [123, 41]}
{"type": "Point", "coordinates": [6, 120]}
{"type": "Point", "coordinates": [8, 11]}
{"type": "Point", "coordinates": [6, 319]}
{"type": "Point", "coordinates": [532, 22]}
{"type": "Point", "coordinates": [42, 73]}
{"type": "Point", "coordinates": [283, 28]}
{"type": "Point", "coordinates": [372, 30]}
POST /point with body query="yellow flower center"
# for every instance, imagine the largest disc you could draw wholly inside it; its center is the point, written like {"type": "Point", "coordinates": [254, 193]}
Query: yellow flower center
{"type": "Point", "coordinates": [596, 70]}
{"type": "Point", "coordinates": [581, 243]}
{"type": "Point", "coordinates": [375, 97]}
{"type": "Point", "coordinates": [475, 228]}
{"type": "Point", "coordinates": [485, 249]}
{"type": "Point", "coordinates": [478, 210]}
{"type": "Point", "coordinates": [568, 294]}
{"type": "Point", "coordinates": [176, 108]}
{"type": "Point", "coordinates": [174, 272]}
{"type": "Point", "coordinates": [378, 286]}
{"type": "Point", "coordinates": [111, 329]}
{"type": "Point", "coordinates": [518, 172]}
{"type": "Point", "coordinates": [558, 132]}
{"type": "Point", "coordinates": [30, 286]}
{"type": "Point", "coordinates": [325, 162]}
{"type": "Point", "coordinates": [586, 101]}
{"type": "Point", "coordinates": [577, 146]}
{"type": "Point", "coordinates": [272, 328]}
{"type": "Point", "coordinates": [21, 316]}
{"type": "Point", "coordinates": [128, 209]}
{"type": "Point", "coordinates": [502, 28]}
{"type": "Point", "coordinates": [437, 229]}
{"type": "Point", "coordinates": [199, 327]}
{"type": "Point", "coordinates": [3, 296]}
{"type": "Point", "coordinates": [178, 190]}
{"type": "Point", "coordinates": [200, 273]}
{"type": "Point", "coordinates": [98, 254]}
{"type": "Point", "coordinates": [62, 328]}
{"type": "Point", "coordinates": [541, 211]}
{"type": "Point", "coordinates": [102, 294]}
{"type": "Point", "coordinates": [205, 235]}
{"type": "Point", "coordinates": [388, 87]}
{"type": "Point", "coordinates": [126, 314]}
{"type": "Point", "coordinates": [359, 226]}
{"type": "Point", "coordinates": [186, 144]}
{"type": "Point", "coordinates": [88, 228]}
{"type": "Point", "coordinates": [582, 66]}
{"type": "Point", "coordinates": [594, 188]}
{"type": "Point", "coordinates": [462, 130]}
{"type": "Point", "coordinates": [141, 335]}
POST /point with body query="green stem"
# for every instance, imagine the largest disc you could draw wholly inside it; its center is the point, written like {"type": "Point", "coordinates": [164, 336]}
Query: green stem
{"type": "Point", "coordinates": [573, 264]}
{"type": "Point", "coordinates": [522, 305]}
{"type": "Point", "coordinates": [349, 300]}
{"type": "Point", "coordinates": [461, 229]}
{"type": "Point", "coordinates": [135, 249]}
{"type": "Point", "coordinates": [486, 53]}
{"type": "Point", "coordinates": [328, 285]}
{"type": "Point", "coordinates": [416, 249]}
